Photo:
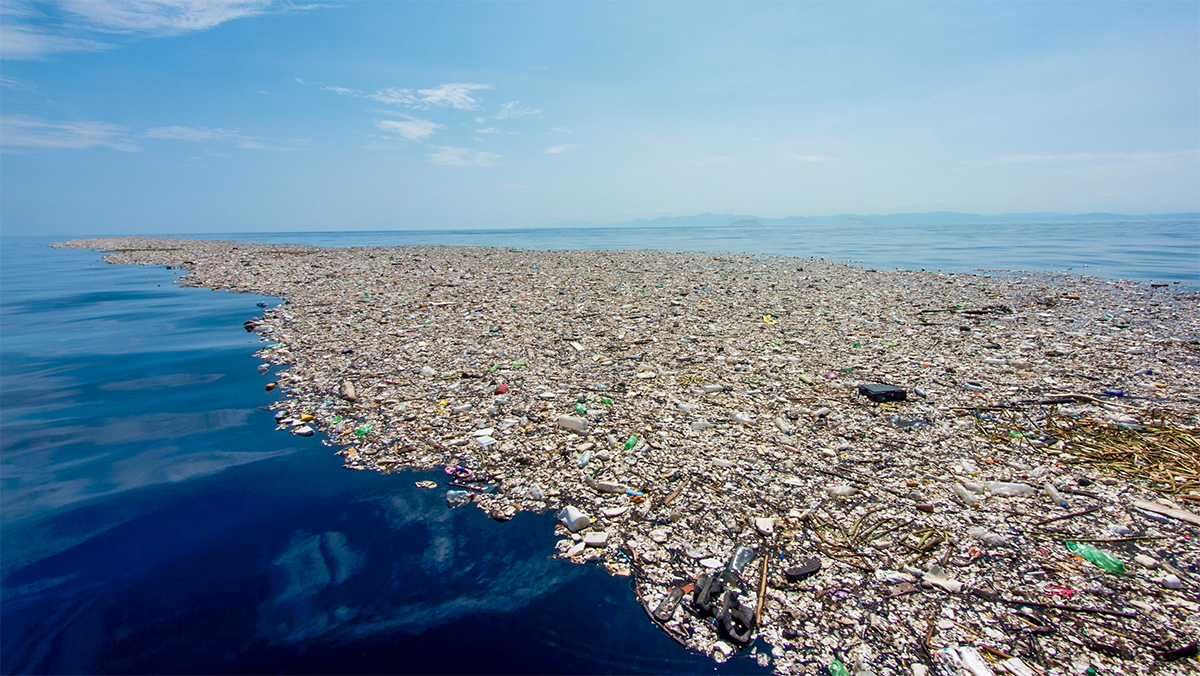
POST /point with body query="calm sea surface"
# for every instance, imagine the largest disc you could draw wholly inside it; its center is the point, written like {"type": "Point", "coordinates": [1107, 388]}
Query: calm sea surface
{"type": "Point", "coordinates": [154, 521]}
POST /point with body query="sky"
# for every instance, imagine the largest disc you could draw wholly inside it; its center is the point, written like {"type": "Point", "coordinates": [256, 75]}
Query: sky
{"type": "Point", "coordinates": [161, 116]}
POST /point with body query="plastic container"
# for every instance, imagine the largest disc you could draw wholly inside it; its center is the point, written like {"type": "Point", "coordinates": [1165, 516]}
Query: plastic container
{"type": "Point", "coordinates": [1055, 497]}
{"type": "Point", "coordinates": [742, 556]}
{"type": "Point", "coordinates": [572, 423]}
{"type": "Point", "coordinates": [574, 519]}
{"type": "Point", "coordinates": [1010, 489]}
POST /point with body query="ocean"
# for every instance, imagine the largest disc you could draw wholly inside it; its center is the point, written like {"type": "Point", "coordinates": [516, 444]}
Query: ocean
{"type": "Point", "coordinates": [153, 520]}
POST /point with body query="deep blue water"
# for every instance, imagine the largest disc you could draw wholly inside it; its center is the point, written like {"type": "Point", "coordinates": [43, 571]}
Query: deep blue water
{"type": "Point", "coordinates": [154, 521]}
{"type": "Point", "coordinates": [1153, 250]}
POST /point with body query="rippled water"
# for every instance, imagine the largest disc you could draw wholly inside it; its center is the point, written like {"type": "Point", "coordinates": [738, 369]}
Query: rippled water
{"type": "Point", "coordinates": [154, 521]}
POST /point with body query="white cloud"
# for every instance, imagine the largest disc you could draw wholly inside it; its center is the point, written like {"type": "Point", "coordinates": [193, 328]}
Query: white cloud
{"type": "Point", "coordinates": [454, 95]}
{"type": "Point", "coordinates": [339, 90]}
{"type": "Point", "coordinates": [29, 132]}
{"type": "Point", "coordinates": [411, 128]}
{"type": "Point", "coordinates": [487, 130]}
{"type": "Point", "coordinates": [160, 17]}
{"type": "Point", "coordinates": [28, 42]}
{"type": "Point", "coordinates": [512, 109]}
{"type": "Point", "coordinates": [810, 159]}
{"type": "Point", "coordinates": [461, 157]}
{"type": "Point", "coordinates": [558, 150]}
{"type": "Point", "coordinates": [31, 32]}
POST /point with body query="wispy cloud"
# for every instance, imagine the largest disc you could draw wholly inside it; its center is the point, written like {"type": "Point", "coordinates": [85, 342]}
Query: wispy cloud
{"type": "Point", "coordinates": [559, 150]}
{"type": "Point", "coordinates": [452, 95]}
{"type": "Point", "coordinates": [195, 134]}
{"type": "Point", "coordinates": [561, 130]}
{"type": "Point", "coordinates": [34, 30]}
{"type": "Point", "coordinates": [809, 159]}
{"type": "Point", "coordinates": [13, 83]}
{"type": "Point", "coordinates": [514, 109]}
{"type": "Point", "coordinates": [1087, 158]}
{"type": "Point", "coordinates": [412, 128]}
{"type": "Point", "coordinates": [461, 157]}
{"type": "Point", "coordinates": [204, 134]}
{"type": "Point", "coordinates": [487, 130]}
{"type": "Point", "coordinates": [30, 132]}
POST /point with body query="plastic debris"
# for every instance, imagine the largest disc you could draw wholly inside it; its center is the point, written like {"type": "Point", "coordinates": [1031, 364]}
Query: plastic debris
{"type": "Point", "coordinates": [1097, 556]}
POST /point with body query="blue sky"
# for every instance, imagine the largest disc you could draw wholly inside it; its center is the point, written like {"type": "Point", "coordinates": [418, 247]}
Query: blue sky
{"type": "Point", "coordinates": [163, 116]}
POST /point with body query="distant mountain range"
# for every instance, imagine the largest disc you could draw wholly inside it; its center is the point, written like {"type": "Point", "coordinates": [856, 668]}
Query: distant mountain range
{"type": "Point", "coordinates": [930, 218]}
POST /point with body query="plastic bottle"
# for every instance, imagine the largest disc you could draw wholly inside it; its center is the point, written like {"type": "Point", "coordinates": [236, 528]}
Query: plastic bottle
{"type": "Point", "coordinates": [742, 556]}
{"type": "Point", "coordinates": [584, 459]}
{"type": "Point", "coordinates": [573, 423]}
{"type": "Point", "coordinates": [1055, 497]}
{"type": "Point", "coordinates": [1010, 489]}
{"type": "Point", "coordinates": [836, 668]}
{"type": "Point", "coordinates": [965, 495]}
{"type": "Point", "coordinates": [987, 537]}
{"type": "Point", "coordinates": [1097, 556]}
{"type": "Point", "coordinates": [630, 442]}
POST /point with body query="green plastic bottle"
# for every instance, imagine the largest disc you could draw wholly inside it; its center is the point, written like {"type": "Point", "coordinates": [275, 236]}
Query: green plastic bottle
{"type": "Point", "coordinates": [1097, 556]}
{"type": "Point", "coordinates": [630, 443]}
{"type": "Point", "coordinates": [581, 409]}
{"type": "Point", "coordinates": [836, 668]}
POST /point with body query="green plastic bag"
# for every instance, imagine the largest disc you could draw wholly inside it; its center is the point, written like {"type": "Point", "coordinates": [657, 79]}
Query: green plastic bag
{"type": "Point", "coordinates": [363, 430]}
{"type": "Point", "coordinates": [1097, 556]}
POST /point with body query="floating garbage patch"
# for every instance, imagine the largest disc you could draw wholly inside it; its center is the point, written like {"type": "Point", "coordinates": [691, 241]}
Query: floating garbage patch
{"type": "Point", "coordinates": [836, 470]}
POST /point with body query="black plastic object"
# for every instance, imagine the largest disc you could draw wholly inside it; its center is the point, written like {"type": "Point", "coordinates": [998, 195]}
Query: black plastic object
{"type": "Point", "coordinates": [666, 609]}
{"type": "Point", "coordinates": [880, 392]}
{"type": "Point", "coordinates": [1189, 650]}
{"type": "Point", "coordinates": [807, 567]}
{"type": "Point", "coordinates": [708, 588]}
{"type": "Point", "coordinates": [735, 619]}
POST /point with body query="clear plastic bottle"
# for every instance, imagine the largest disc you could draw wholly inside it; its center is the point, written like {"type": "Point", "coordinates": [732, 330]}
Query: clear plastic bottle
{"type": "Point", "coordinates": [1010, 489]}
{"type": "Point", "coordinates": [1052, 493]}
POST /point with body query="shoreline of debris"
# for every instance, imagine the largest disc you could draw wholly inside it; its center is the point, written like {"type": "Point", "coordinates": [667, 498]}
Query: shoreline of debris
{"type": "Point", "coordinates": [721, 428]}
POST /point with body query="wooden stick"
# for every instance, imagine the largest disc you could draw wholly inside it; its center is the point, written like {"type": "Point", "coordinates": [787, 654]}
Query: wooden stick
{"type": "Point", "coordinates": [762, 588]}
